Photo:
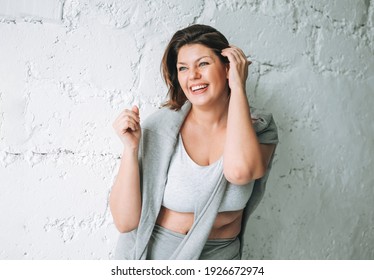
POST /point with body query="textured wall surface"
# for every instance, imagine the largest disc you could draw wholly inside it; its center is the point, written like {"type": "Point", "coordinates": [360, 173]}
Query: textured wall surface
{"type": "Point", "coordinates": [62, 83]}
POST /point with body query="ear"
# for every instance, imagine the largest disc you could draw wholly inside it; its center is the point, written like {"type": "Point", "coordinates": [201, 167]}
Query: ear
{"type": "Point", "coordinates": [227, 66]}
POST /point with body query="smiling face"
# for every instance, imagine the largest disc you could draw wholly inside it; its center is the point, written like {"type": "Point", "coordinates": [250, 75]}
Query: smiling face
{"type": "Point", "coordinates": [202, 75]}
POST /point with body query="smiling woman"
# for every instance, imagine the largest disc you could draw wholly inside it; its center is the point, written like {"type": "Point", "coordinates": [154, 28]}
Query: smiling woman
{"type": "Point", "coordinates": [202, 75]}
{"type": "Point", "coordinates": [192, 174]}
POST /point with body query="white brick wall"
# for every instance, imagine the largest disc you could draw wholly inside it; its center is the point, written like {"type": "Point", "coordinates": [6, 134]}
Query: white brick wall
{"type": "Point", "coordinates": [31, 9]}
{"type": "Point", "coordinates": [63, 82]}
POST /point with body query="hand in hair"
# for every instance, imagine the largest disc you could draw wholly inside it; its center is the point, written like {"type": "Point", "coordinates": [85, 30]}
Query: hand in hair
{"type": "Point", "coordinates": [238, 68]}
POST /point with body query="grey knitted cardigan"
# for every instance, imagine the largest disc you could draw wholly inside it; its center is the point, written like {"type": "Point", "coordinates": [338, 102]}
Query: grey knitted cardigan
{"type": "Point", "coordinates": [159, 137]}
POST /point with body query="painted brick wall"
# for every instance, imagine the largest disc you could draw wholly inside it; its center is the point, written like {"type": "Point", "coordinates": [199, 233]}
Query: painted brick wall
{"type": "Point", "coordinates": [62, 83]}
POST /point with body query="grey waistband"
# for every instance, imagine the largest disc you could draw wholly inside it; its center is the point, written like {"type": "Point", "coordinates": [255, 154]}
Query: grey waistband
{"type": "Point", "coordinates": [163, 243]}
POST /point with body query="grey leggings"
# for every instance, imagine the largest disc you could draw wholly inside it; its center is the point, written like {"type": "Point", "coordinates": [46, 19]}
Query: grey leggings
{"type": "Point", "coordinates": [163, 243]}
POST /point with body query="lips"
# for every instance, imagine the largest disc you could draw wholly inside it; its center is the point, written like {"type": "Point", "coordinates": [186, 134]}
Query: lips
{"type": "Point", "coordinates": [198, 88]}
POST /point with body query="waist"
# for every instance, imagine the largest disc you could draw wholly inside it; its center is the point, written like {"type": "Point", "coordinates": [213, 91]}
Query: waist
{"type": "Point", "coordinates": [164, 242]}
{"type": "Point", "coordinates": [226, 225]}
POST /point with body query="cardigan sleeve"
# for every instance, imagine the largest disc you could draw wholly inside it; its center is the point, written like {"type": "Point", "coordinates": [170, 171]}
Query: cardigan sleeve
{"type": "Point", "coordinates": [265, 127]}
{"type": "Point", "coordinates": [267, 133]}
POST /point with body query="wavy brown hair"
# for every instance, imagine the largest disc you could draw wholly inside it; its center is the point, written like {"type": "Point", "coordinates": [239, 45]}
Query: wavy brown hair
{"type": "Point", "coordinates": [194, 34]}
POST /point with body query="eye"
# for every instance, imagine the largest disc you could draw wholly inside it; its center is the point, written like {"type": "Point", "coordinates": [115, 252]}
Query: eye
{"type": "Point", "coordinates": [182, 68]}
{"type": "Point", "coordinates": [203, 63]}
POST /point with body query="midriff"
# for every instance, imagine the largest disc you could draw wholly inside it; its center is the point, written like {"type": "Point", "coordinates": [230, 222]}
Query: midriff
{"type": "Point", "coordinates": [226, 225]}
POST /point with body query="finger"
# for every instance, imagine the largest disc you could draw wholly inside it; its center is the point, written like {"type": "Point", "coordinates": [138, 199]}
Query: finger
{"type": "Point", "coordinates": [243, 57]}
{"type": "Point", "coordinates": [238, 55]}
{"type": "Point", "coordinates": [230, 55]}
{"type": "Point", "coordinates": [124, 121]}
{"type": "Point", "coordinates": [121, 122]}
{"type": "Point", "coordinates": [130, 113]}
{"type": "Point", "coordinates": [137, 126]}
{"type": "Point", "coordinates": [135, 109]}
{"type": "Point", "coordinates": [127, 120]}
{"type": "Point", "coordinates": [239, 50]}
{"type": "Point", "coordinates": [128, 125]}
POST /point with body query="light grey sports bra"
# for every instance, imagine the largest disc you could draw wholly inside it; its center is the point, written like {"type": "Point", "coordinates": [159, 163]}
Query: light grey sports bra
{"type": "Point", "coordinates": [189, 183]}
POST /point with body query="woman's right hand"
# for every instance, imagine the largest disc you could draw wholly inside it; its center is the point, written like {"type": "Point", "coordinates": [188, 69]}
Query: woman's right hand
{"type": "Point", "coordinates": [127, 127]}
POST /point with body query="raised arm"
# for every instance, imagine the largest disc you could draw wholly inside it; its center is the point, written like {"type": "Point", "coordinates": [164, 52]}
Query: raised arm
{"type": "Point", "coordinates": [125, 197]}
{"type": "Point", "coordinates": [245, 159]}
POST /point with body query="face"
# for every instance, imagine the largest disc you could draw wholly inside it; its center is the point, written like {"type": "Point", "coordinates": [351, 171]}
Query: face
{"type": "Point", "coordinates": [201, 75]}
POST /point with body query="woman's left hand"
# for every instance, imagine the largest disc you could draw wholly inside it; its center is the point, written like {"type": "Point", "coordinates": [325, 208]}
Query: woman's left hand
{"type": "Point", "coordinates": [238, 71]}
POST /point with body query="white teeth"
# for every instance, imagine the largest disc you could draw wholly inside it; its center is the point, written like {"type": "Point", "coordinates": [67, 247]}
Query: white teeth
{"type": "Point", "coordinates": [198, 87]}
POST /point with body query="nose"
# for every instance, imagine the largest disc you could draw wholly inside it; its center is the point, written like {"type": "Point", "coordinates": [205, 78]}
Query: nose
{"type": "Point", "coordinates": [194, 73]}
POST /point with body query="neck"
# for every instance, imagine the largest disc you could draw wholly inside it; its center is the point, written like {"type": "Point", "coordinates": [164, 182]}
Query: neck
{"type": "Point", "coordinates": [212, 117]}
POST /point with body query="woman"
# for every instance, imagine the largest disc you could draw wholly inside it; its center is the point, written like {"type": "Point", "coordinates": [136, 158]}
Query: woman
{"type": "Point", "coordinates": [195, 170]}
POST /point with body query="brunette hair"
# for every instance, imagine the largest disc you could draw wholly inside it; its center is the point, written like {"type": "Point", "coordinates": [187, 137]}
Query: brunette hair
{"type": "Point", "coordinates": [194, 34]}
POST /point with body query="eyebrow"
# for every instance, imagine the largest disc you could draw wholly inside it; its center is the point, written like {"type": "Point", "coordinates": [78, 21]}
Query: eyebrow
{"type": "Point", "coordinates": [200, 58]}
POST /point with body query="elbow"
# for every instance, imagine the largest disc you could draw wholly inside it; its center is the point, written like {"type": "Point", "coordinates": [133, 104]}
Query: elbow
{"type": "Point", "coordinates": [126, 227]}
{"type": "Point", "coordinates": [125, 223]}
{"type": "Point", "coordinates": [240, 175]}
{"type": "Point", "coordinates": [123, 220]}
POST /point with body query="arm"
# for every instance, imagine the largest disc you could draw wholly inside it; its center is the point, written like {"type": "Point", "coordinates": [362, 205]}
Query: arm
{"type": "Point", "coordinates": [125, 197]}
{"type": "Point", "coordinates": [245, 159]}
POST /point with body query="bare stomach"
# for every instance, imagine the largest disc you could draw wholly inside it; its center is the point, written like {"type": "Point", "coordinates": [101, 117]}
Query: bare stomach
{"type": "Point", "coordinates": [226, 225]}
